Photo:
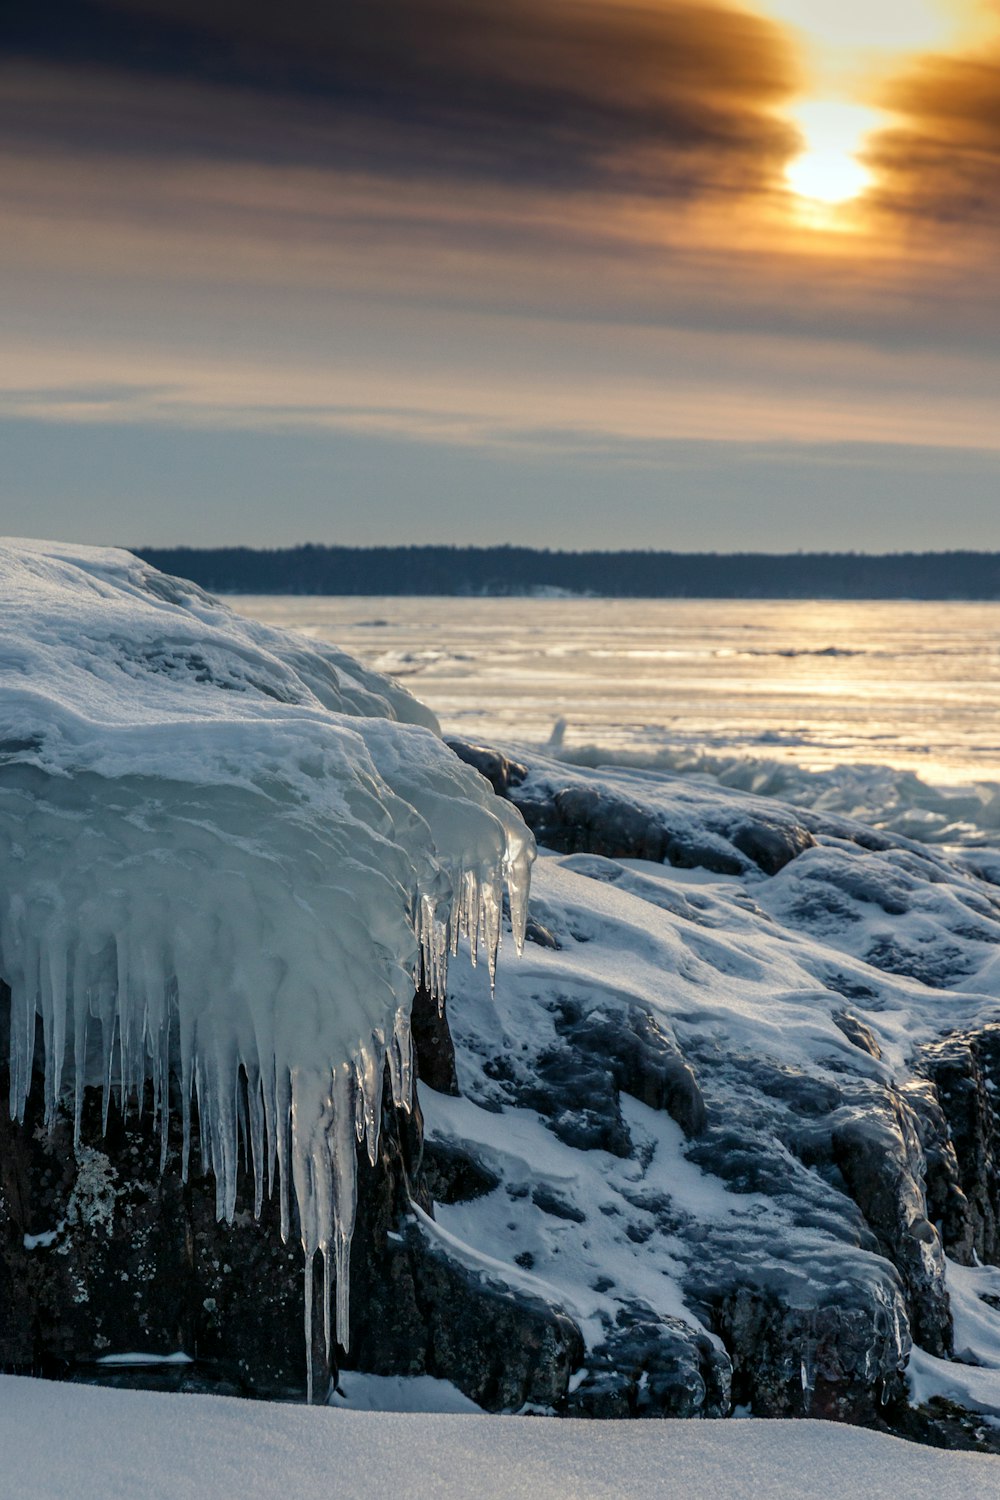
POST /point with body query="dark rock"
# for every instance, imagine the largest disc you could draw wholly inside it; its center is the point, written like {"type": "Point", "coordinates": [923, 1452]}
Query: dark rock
{"type": "Point", "coordinates": [939, 964]}
{"type": "Point", "coordinates": [452, 1175]}
{"type": "Point", "coordinates": [578, 1097]}
{"type": "Point", "coordinates": [430, 1313]}
{"type": "Point", "coordinates": [668, 820]}
{"type": "Point", "coordinates": [500, 771]}
{"type": "Point", "coordinates": [535, 932]}
{"type": "Point", "coordinates": [841, 1359]}
{"type": "Point", "coordinates": [101, 1252]}
{"type": "Point", "coordinates": [771, 845]}
{"type": "Point", "coordinates": [943, 1424]}
{"type": "Point", "coordinates": [642, 1059]}
{"type": "Point", "coordinates": [434, 1050]}
{"type": "Point", "coordinates": [858, 1033]}
{"type": "Point", "coordinates": [947, 1206]}
{"type": "Point", "coordinates": [559, 1208]}
{"type": "Point", "coordinates": [965, 1071]}
{"type": "Point", "coordinates": [876, 1147]}
{"type": "Point", "coordinates": [650, 1366]}
{"type": "Point", "coordinates": [109, 1254]}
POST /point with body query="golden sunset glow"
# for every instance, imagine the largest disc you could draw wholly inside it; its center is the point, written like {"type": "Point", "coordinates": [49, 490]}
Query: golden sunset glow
{"type": "Point", "coordinates": [844, 32]}
{"type": "Point", "coordinates": [828, 170]}
{"type": "Point", "coordinates": [848, 48]}
{"type": "Point", "coordinates": [827, 176]}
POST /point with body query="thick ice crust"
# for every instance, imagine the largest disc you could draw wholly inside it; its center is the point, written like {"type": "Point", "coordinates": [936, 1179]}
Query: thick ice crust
{"type": "Point", "coordinates": [227, 851]}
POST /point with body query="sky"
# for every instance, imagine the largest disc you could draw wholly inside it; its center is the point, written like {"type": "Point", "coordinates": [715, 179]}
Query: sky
{"type": "Point", "coordinates": [654, 273]}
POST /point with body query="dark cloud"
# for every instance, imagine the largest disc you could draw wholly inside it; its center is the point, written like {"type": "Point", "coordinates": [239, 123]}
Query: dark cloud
{"type": "Point", "coordinates": [668, 96]}
{"type": "Point", "coordinates": [942, 163]}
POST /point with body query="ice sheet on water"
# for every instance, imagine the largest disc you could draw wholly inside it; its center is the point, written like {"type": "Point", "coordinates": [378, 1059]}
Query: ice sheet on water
{"type": "Point", "coordinates": [227, 851]}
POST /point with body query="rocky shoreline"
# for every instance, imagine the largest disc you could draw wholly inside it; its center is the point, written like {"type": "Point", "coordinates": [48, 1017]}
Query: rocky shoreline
{"type": "Point", "coordinates": [858, 1181]}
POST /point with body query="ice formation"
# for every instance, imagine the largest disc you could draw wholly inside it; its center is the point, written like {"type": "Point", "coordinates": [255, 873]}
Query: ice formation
{"type": "Point", "coordinates": [227, 854]}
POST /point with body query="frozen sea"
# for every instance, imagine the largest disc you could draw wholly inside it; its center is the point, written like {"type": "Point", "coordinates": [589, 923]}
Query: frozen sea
{"type": "Point", "coordinates": [886, 710]}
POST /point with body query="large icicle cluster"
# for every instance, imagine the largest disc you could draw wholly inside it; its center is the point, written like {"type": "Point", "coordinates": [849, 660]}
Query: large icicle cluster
{"type": "Point", "coordinates": [227, 852]}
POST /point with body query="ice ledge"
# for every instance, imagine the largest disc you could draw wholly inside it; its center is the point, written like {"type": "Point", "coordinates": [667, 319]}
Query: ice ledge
{"type": "Point", "coordinates": [228, 853]}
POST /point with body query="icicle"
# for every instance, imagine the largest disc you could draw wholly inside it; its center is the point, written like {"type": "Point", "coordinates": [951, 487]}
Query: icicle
{"type": "Point", "coordinates": [359, 1110]}
{"type": "Point", "coordinates": [370, 1072]}
{"type": "Point", "coordinates": [401, 1061]}
{"type": "Point", "coordinates": [343, 1244]}
{"type": "Point", "coordinates": [258, 1150]}
{"type": "Point", "coordinates": [81, 1017]}
{"type": "Point", "coordinates": [308, 1292]}
{"type": "Point", "coordinates": [490, 912]}
{"type": "Point", "coordinates": [327, 1299]}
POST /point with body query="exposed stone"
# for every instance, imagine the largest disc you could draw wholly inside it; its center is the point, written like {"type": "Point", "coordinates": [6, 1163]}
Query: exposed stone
{"type": "Point", "coordinates": [102, 1253]}
{"type": "Point", "coordinates": [507, 1348]}
{"type": "Point", "coordinates": [452, 1175]}
{"type": "Point", "coordinates": [947, 1206]}
{"type": "Point", "coordinates": [876, 1147]}
{"type": "Point", "coordinates": [642, 1059]}
{"type": "Point", "coordinates": [433, 1047]}
{"type": "Point", "coordinates": [858, 1033]}
{"type": "Point", "coordinates": [500, 770]}
{"type": "Point", "coordinates": [570, 812]}
{"type": "Point", "coordinates": [832, 1360]}
{"type": "Point", "coordinates": [965, 1071]}
{"type": "Point", "coordinates": [108, 1255]}
{"type": "Point", "coordinates": [651, 1366]}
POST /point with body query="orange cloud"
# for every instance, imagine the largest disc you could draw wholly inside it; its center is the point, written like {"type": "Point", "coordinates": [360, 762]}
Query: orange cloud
{"type": "Point", "coordinates": [940, 165]}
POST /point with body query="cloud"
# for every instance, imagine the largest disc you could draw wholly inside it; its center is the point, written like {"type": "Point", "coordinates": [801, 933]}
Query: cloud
{"type": "Point", "coordinates": [672, 97]}
{"type": "Point", "coordinates": [493, 226]}
{"type": "Point", "coordinates": [941, 164]}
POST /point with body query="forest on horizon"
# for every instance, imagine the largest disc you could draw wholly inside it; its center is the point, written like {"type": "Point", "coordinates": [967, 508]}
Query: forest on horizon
{"type": "Point", "coordinates": [512, 571]}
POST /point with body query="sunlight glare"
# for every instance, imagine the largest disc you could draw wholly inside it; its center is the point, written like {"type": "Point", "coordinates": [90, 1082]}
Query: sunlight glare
{"type": "Point", "coordinates": [828, 169]}
{"type": "Point", "coordinates": [827, 176]}
{"type": "Point", "coordinates": [846, 46]}
{"type": "Point", "coordinates": [895, 26]}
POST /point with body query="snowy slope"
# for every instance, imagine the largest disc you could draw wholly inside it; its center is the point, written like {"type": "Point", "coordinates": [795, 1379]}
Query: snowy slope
{"type": "Point", "coordinates": [118, 1445]}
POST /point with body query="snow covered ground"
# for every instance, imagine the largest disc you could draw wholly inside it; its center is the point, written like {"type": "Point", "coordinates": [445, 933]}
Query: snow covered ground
{"type": "Point", "coordinates": [61, 1442]}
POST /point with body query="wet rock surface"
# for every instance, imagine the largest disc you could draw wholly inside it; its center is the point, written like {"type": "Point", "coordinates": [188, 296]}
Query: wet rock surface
{"type": "Point", "coordinates": [653, 1367]}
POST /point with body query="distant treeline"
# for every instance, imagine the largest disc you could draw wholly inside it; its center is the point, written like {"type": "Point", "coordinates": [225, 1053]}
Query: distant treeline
{"type": "Point", "coordinates": [525, 570]}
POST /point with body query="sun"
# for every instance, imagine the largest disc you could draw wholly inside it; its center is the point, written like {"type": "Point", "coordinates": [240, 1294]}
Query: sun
{"type": "Point", "coordinates": [828, 170]}
{"type": "Point", "coordinates": [830, 177]}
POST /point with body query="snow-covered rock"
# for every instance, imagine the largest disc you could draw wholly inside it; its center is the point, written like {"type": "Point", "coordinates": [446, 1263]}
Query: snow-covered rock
{"type": "Point", "coordinates": [226, 853]}
{"type": "Point", "coordinates": [714, 1096]}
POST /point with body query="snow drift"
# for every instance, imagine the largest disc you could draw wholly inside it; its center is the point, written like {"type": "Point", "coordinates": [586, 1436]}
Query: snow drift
{"type": "Point", "coordinates": [228, 853]}
{"type": "Point", "coordinates": [242, 1450]}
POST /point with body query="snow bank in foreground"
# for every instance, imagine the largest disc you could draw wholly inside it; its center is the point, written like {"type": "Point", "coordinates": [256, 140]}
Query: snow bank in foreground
{"type": "Point", "coordinates": [227, 852]}
{"type": "Point", "coordinates": [115, 1445]}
